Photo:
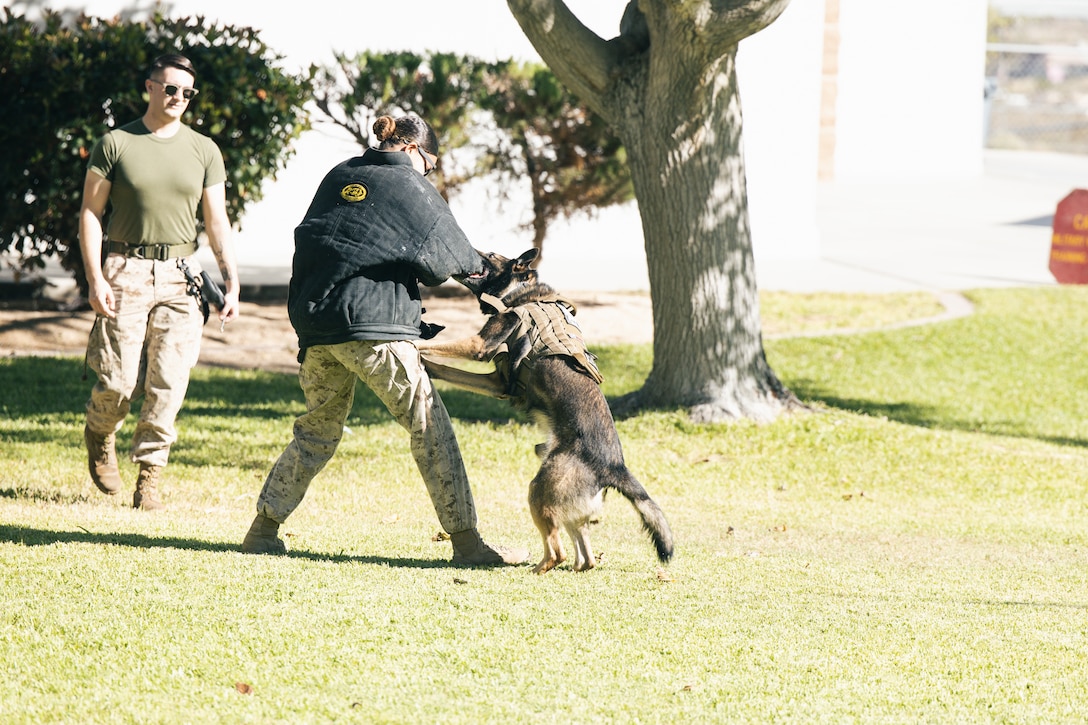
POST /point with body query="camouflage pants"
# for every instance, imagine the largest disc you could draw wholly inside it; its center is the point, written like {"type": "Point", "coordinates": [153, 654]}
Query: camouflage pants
{"type": "Point", "coordinates": [147, 350]}
{"type": "Point", "coordinates": [394, 371]}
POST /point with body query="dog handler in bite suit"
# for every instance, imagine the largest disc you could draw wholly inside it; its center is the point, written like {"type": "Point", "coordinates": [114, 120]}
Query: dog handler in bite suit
{"type": "Point", "coordinates": [374, 230]}
{"type": "Point", "coordinates": [154, 172]}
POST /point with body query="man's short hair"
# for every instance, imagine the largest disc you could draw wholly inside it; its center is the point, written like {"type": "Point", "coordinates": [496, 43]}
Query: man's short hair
{"type": "Point", "coordinates": [172, 60]}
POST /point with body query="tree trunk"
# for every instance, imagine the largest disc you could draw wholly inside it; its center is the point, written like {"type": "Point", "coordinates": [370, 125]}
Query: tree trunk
{"type": "Point", "coordinates": [687, 165]}
{"type": "Point", "coordinates": [539, 222]}
{"type": "Point", "coordinates": [668, 85]}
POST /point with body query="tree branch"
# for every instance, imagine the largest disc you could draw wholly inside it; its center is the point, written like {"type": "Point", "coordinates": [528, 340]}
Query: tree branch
{"type": "Point", "coordinates": [735, 20]}
{"type": "Point", "coordinates": [580, 58]}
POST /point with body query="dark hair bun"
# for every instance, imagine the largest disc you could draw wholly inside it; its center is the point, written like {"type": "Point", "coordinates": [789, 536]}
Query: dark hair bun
{"type": "Point", "coordinates": [384, 127]}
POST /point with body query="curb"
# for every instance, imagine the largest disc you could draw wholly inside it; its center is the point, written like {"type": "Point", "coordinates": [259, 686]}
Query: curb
{"type": "Point", "coordinates": [955, 306]}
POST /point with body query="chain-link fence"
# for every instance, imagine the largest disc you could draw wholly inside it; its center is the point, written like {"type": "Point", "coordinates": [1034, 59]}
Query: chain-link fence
{"type": "Point", "coordinates": [1036, 97]}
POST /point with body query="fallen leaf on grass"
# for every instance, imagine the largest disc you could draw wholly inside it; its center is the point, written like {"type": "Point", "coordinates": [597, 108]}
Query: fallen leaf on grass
{"type": "Point", "coordinates": [687, 687]}
{"type": "Point", "coordinates": [391, 519]}
{"type": "Point", "coordinates": [460, 581]}
{"type": "Point", "coordinates": [664, 576]}
{"type": "Point", "coordinates": [780, 528]}
{"type": "Point", "coordinates": [441, 536]}
{"type": "Point", "coordinates": [243, 688]}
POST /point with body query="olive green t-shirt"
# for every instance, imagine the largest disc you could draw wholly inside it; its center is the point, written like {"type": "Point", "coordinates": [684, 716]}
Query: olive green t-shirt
{"type": "Point", "coordinates": [156, 183]}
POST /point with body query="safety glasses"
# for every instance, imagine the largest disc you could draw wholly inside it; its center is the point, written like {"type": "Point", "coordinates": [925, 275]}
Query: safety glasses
{"type": "Point", "coordinates": [428, 165]}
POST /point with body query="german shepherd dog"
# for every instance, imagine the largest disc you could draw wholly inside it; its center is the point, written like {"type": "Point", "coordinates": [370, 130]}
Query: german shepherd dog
{"type": "Point", "coordinates": [546, 371]}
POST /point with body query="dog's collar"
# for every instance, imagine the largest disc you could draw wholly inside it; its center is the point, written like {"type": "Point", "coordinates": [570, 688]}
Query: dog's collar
{"type": "Point", "coordinates": [494, 302]}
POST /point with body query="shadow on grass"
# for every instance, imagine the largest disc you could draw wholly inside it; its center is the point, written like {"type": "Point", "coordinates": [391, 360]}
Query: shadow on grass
{"type": "Point", "coordinates": [926, 416]}
{"type": "Point", "coordinates": [37, 386]}
{"type": "Point", "coordinates": [42, 385]}
{"type": "Point", "coordinates": [27, 536]}
{"type": "Point", "coordinates": [33, 387]}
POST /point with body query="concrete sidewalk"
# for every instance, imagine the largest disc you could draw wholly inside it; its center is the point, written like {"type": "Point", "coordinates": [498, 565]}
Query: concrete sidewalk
{"type": "Point", "coordinates": [888, 236]}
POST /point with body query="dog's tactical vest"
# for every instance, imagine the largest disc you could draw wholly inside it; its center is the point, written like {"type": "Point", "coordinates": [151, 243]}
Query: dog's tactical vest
{"type": "Point", "coordinates": [546, 327]}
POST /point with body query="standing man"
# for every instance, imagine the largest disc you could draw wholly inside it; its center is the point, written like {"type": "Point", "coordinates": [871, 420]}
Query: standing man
{"type": "Point", "coordinates": [153, 172]}
{"type": "Point", "coordinates": [374, 230]}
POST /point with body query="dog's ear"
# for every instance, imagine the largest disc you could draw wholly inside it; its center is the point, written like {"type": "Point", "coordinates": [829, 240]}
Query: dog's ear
{"type": "Point", "coordinates": [526, 257]}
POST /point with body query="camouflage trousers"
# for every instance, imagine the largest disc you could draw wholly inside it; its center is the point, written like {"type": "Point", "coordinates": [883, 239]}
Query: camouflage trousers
{"type": "Point", "coordinates": [394, 371]}
{"type": "Point", "coordinates": [148, 350]}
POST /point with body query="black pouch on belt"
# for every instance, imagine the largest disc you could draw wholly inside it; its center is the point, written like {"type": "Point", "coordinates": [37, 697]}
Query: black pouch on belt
{"type": "Point", "coordinates": [204, 288]}
{"type": "Point", "coordinates": [211, 291]}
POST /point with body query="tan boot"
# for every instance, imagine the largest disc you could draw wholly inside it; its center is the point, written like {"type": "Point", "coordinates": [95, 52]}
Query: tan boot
{"type": "Point", "coordinates": [471, 550]}
{"type": "Point", "coordinates": [261, 537]}
{"type": "Point", "coordinates": [102, 461]}
{"type": "Point", "coordinates": [147, 489]}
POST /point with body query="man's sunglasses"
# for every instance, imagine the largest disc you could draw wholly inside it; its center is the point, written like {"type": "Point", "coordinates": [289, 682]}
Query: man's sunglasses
{"type": "Point", "coordinates": [172, 90]}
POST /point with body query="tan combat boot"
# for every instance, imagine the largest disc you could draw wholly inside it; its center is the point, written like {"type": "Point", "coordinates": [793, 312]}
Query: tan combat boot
{"type": "Point", "coordinates": [102, 461]}
{"type": "Point", "coordinates": [261, 537]}
{"type": "Point", "coordinates": [471, 550]}
{"type": "Point", "coordinates": [147, 489]}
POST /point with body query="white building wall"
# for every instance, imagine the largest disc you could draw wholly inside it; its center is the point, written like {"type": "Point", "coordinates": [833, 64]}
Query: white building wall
{"type": "Point", "coordinates": [779, 73]}
{"type": "Point", "coordinates": [909, 103]}
{"type": "Point", "coordinates": [910, 89]}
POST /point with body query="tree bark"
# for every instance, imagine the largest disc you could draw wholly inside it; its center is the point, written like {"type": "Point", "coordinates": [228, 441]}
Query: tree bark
{"type": "Point", "coordinates": [668, 85]}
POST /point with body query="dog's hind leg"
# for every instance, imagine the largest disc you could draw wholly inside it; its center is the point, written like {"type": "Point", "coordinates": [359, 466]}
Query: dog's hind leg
{"type": "Point", "coordinates": [553, 545]}
{"type": "Point", "coordinates": [583, 552]}
{"type": "Point", "coordinates": [546, 520]}
{"type": "Point", "coordinates": [589, 512]}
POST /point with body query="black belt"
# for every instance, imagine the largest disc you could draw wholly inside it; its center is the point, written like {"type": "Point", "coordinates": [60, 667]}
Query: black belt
{"type": "Point", "coordinates": [153, 251]}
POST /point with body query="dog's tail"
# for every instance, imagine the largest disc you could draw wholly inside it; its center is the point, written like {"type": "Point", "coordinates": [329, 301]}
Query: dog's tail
{"type": "Point", "coordinates": [653, 518]}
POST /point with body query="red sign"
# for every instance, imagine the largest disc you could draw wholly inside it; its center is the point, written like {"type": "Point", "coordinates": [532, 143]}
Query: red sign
{"type": "Point", "coordinates": [1069, 243]}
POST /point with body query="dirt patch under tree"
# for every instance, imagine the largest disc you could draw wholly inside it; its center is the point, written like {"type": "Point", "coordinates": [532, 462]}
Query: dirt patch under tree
{"type": "Point", "coordinates": [262, 337]}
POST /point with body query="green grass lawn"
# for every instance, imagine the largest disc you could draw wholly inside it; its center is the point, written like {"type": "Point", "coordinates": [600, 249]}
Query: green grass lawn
{"type": "Point", "coordinates": [914, 551]}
